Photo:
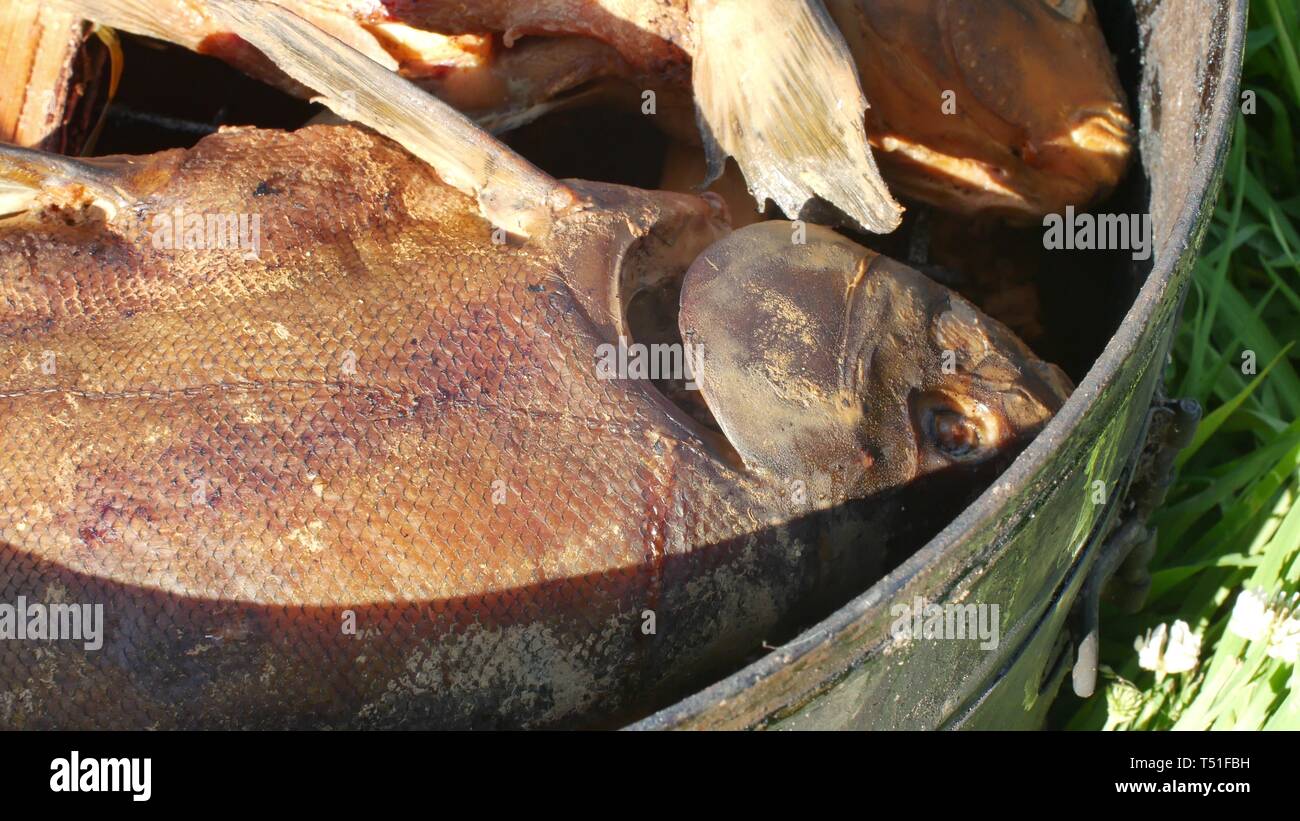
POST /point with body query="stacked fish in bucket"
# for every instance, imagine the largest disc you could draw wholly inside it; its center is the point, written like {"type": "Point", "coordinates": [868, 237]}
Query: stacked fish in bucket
{"type": "Point", "coordinates": [354, 425]}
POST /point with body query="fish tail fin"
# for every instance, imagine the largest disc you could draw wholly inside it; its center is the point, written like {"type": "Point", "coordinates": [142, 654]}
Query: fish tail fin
{"type": "Point", "coordinates": [777, 89]}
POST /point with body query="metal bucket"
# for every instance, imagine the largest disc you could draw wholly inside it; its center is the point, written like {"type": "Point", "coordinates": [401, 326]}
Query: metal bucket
{"type": "Point", "coordinates": [1042, 541]}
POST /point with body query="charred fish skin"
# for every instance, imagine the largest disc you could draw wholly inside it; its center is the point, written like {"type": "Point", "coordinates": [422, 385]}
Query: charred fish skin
{"type": "Point", "coordinates": [368, 476]}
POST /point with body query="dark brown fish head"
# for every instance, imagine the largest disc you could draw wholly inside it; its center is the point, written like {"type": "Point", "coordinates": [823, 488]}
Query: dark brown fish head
{"type": "Point", "coordinates": [827, 363]}
{"type": "Point", "coordinates": [1011, 107]}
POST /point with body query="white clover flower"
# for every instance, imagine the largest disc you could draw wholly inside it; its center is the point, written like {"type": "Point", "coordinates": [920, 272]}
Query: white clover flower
{"type": "Point", "coordinates": [1151, 647]}
{"type": "Point", "coordinates": [1284, 641]}
{"type": "Point", "coordinates": [1251, 615]}
{"type": "Point", "coordinates": [1180, 656]}
{"type": "Point", "coordinates": [1257, 618]}
{"type": "Point", "coordinates": [1184, 650]}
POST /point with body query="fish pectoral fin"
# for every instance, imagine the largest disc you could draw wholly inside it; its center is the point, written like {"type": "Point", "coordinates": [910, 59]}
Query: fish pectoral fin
{"type": "Point", "coordinates": [29, 178]}
{"type": "Point", "coordinates": [777, 89]}
{"type": "Point", "coordinates": [511, 193]}
{"type": "Point", "coordinates": [15, 197]}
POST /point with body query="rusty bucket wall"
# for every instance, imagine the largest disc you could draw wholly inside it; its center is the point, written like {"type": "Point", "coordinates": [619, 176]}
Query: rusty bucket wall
{"type": "Point", "coordinates": [1040, 542]}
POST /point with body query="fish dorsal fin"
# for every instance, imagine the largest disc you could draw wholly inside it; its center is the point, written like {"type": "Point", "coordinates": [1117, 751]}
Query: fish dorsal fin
{"type": "Point", "coordinates": [511, 193]}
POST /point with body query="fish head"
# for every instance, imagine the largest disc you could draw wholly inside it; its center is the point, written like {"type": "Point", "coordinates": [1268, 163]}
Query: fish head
{"type": "Point", "coordinates": [1028, 114]}
{"type": "Point", "coordinates": [825, 362]}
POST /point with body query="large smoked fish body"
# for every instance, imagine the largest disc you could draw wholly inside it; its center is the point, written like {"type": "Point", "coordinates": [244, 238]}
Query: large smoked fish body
{"type": "Point", "coordinates": [358, 469]}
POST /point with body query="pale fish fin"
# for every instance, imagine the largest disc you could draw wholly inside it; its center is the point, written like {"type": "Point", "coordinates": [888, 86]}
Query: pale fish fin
{"type": "Point", "coordinates": [511, 193]}
{"type": "Point", "coordinates": [26, 174]}
{"type": "Point", "coordinates": [135, 16]}
{"type": "Point", "coordinates": [777, 88]}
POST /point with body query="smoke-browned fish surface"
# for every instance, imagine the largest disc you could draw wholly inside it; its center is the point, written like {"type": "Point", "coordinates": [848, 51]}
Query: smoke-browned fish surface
{"type": "Point", "coordinates": [1007, 106]}
{"type": "Point", "coordinates": [348, 461]}
{"type": "Point", "coordinates": [295, 434]}
{"type": "Point", "coordinates": [804, 139]}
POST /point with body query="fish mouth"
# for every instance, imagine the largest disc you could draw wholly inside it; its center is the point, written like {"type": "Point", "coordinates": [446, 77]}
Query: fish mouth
{"type": "Point", "coordinates": [1077, 166]}
{"type": "Point", "coordinates": [1105, 131]}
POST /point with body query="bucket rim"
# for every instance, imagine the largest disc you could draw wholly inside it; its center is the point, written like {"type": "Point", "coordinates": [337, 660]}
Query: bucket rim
{"type": "Point", "coordinates": [987, 508]}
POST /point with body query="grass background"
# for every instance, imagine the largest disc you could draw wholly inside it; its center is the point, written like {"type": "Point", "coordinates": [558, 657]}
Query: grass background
{"type": "Point", "coordinates": [1232, 520]}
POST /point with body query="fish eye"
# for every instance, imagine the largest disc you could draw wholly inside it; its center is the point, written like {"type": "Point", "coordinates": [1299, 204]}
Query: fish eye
{"type": "Point", "coordinates": [953, 433]}
{"type": "Point", "coordinates": [947, 429]}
